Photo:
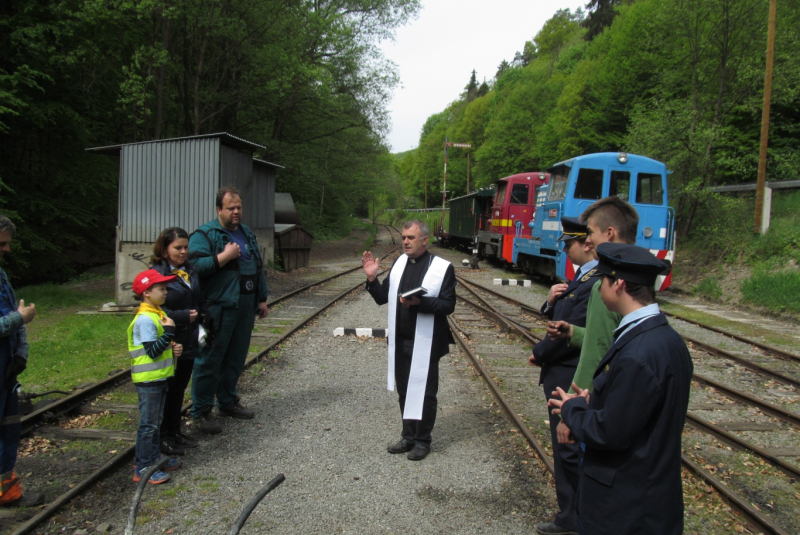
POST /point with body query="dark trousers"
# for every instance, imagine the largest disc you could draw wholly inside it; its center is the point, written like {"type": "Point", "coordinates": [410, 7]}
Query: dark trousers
{"type": "Point", "coordinates": [416, 430]}
{"type": "Point", "coordinates": [171, 424]}
{"type": "Point", "coordinates": [217, 368]}
{"type": "Point", "coordinates": [151, 410]}
{"type": "Point", "coordinates": [566, 457]}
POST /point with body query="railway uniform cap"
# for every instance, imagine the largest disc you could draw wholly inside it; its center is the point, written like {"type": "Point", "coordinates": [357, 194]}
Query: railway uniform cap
{"type": "Point", "coordinates": [572, 228]}
{"type": "Point", "coordinates": [630, 263]}
{"type": "Point", "coordinates": [146, 279]}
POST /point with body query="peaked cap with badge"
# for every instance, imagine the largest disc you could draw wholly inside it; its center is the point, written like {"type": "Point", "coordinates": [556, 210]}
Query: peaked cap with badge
{"type": "Point", "coordinates": [630, 263]}
{"type": "Point", "coordinates": [571, 228]}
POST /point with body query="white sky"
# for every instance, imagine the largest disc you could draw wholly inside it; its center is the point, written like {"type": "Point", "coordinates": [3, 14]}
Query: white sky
{"type": "Point", "coordinates": [436, 53]}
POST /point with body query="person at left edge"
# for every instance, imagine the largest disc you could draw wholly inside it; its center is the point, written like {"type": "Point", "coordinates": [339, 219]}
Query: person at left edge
{"type": "Point", "coordinates": [418, 332]}
{"type": "Point", "coordinates": [558, 360]}
{"type": "Point", "coordinates": [185, 306]}
{"type": "Point", "coordinates": [226, 255]}
{"type": "Point", "coordinates": [13, 361]}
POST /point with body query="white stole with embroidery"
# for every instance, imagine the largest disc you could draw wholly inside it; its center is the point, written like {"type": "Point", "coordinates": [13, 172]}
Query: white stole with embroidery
{"type": "Point", "coordinates": [423, 335]}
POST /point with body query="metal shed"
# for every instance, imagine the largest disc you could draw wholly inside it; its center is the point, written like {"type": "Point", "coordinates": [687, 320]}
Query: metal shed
{"type": "Point", "coordinates": [173, 182]}
{"type": "Point", "coordinates": [293, 246]}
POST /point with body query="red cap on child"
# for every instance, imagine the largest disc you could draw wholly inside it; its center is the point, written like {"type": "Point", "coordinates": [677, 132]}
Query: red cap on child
{"type": "Point", "coordinates": [146, 279]}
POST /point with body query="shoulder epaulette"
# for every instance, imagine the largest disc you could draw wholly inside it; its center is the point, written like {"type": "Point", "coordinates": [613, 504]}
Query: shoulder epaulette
{"type": "Point", "coordinates": [589, 275]}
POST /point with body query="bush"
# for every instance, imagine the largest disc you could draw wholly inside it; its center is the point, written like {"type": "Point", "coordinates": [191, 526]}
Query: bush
{"type": "Point", "coordinates": [776, 291]}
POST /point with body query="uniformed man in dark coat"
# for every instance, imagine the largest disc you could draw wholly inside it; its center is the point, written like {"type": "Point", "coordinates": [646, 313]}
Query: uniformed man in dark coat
{"type": "Point", "coordinates": [558, 361]}
{"type": "Point", "coordinates": [631, 423]}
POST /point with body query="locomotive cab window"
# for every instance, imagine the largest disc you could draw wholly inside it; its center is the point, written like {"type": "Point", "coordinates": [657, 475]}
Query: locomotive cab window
{"type": "Point", "coordinates": [558, 183]}
{"type": "Point", "coordinates": [501, 193]}
{"type": "Point", "coordinates": [648, 189]}
{"type": "Point", "coordinates": [589, 184]}
{"type": "Point", "coordinates": [519, 194]}
{"type": "Point", "coordinates": [620, 184]}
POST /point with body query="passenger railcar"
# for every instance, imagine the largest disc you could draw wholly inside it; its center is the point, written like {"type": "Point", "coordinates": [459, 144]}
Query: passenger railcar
{"type": "Point", "coordinates": [577, 183]}
{"type": "Point", "coordinates": [468, 214]}
{"type": "Point", "coordinates": [513, 209]}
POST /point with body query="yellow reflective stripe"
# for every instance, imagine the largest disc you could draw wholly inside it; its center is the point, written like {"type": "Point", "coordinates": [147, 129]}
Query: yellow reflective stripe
{"type": "Point", "coordinates": [9, 420]}
{"type": "Point", "coordinates": [503, 222]}
{"type": "Point", "coordinates": [137, 353]}
{"type": "Point", "coordinates": [151, 366]}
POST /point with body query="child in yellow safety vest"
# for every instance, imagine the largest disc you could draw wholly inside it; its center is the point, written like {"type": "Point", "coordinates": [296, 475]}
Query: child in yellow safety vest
{"type": "Point", "coordinates": [152, 351]}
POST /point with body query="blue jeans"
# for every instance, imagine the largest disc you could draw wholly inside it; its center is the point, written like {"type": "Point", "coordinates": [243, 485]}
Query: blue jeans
{"type": "Point", "coordinates": [151, 409]}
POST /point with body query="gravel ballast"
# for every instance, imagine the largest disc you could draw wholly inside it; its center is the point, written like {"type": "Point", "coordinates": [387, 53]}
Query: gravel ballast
{"type": "Point", "coordinates": [324, 418]}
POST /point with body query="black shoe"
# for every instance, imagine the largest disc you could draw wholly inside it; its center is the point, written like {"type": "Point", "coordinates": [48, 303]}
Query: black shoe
{"type": "Point", "coordinates": [206, 423]}
{"type": "Point", "coordinates": [553, 529]}
{"type": "Point", "coordinates": [185, 440]}
{"type": "Point", "coordinates": [29, 499]}
{"type": "Point", "coordinates": [170, 446]}
{"type": "Point", "coordinates": [238, 411]}
{"type": "Point", "coordinates": [403, 446]}
{"type": "Point", "coordinates": [420, 451]}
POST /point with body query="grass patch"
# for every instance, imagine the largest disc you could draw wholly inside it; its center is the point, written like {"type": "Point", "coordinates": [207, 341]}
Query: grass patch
{"type": "Point", "coordinates": [776, 291]}
{"type": "Point", "coordinates": [709, 288]}
{"type": "Point", "coordinates": [67, 349]}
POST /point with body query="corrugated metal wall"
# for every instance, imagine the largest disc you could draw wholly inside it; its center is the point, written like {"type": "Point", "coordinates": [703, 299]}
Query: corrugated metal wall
{"type": "Point", "coordinates": [168, 184]}
{"type": "Point", "coordinates": [262, 205]}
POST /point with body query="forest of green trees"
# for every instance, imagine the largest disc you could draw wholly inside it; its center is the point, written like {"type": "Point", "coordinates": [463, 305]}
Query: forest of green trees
{"type": "Point", "coordinates": [681, 81]}
{"type": "Point", "coordinates": [304, 78]}
{"type": "Point", "coordinates": [677, 80]}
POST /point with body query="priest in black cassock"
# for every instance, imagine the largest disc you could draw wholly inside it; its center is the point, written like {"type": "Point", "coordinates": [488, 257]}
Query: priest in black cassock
{"type": "Point", "coordinates": [418, 332]}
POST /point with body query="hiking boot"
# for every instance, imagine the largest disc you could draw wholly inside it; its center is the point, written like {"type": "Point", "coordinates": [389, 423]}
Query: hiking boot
{"type": "Point", "coordinates": [29, 499]}
{"type": "Point", "coordinates": [238, 411]}
{"type": "Point", "coordinates": [405, 445]}
{"type": "Point", "coordinates": [206, 423]}
{"type": "Point", "coordinates": [157, 478]}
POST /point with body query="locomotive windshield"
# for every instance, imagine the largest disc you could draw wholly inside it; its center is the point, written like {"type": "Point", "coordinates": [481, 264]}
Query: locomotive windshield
{"type": "Point", "coordinates": [501, 193]}
{"type": "Point", "coordinates": [589, 184]}
{"type": "Point", "coordinates": [620, 184]}
{"type": "Point", "coordinates": [648, 189]}
{"type": "Point", "coordinates": [558, 183]}
{"type": "Point", "coordinates": [519, 194]}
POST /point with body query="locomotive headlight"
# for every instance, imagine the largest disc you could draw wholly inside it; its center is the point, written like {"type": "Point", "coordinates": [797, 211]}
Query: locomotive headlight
{"type": "Point", "coordinates": [541, 176]}
{"type": "Point", "coordinates": [622, 157]}
{"type": "Point", "coordinates": [648, 232]}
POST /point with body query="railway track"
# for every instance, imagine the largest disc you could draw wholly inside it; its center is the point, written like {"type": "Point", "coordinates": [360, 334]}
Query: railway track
{"type": "Point", "coordinates": [289, 313]}
{"type": "Point", "coordinates": [736, 441]}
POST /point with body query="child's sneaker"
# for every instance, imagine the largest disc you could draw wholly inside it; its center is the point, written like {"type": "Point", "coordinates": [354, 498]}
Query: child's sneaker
{"type": "Point", "coordinates": [157, 478]}
{"type": "Point", "coordinates": [172, 464]}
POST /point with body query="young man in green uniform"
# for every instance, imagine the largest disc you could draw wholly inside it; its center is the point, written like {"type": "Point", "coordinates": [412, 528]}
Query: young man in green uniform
{"type": "Point", "coordinates": [225, 253]}
{"type": "Point", "coordinates": [608, 220]}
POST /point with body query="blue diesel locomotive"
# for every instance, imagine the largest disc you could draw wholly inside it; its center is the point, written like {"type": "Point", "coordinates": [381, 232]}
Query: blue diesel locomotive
{"type": "Point", "coordinates": [577, 183]}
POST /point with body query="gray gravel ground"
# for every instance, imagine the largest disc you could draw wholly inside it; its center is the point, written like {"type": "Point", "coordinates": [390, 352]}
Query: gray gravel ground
{"type": "Point", "coordinates": [324, 419]}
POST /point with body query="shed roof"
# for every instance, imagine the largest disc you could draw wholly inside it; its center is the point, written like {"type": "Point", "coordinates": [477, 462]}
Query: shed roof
{"type": "Point", "coordinates": [227, 139]}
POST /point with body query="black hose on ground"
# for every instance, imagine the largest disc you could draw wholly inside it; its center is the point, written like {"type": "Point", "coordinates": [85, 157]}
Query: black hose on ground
{"type": "Point", "coordinates": [137, 496]}
{"type": "Point", "coordinates": [255, 501]}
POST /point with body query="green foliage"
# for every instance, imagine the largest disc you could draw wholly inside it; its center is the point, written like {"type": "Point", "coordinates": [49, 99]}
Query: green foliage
{"type": "Point", "coordinates": [304, 79]}
{"type": "Point", "coordinates": [776, 291]}
{"type": "Point", "coordinates": [708, 288]}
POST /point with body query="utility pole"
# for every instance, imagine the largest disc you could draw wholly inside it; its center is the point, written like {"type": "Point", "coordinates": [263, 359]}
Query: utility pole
{"type": "Point", "coordinates": [762, 220]}
{"type": "Point", "coordinates": [444, 181]}
{"type": "Point", "coordinates": [467, 172]}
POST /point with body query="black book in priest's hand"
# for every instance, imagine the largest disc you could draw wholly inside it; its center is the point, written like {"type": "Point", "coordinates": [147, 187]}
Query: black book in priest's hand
{"type": "Point", "coordinates": [416, 292]}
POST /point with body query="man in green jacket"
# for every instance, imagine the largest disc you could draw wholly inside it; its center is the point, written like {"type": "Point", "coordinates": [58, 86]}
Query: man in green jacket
{"type": "Point", "coordinates": [226, 255]}
{"type": "Point", "coordinates": [608, 220]}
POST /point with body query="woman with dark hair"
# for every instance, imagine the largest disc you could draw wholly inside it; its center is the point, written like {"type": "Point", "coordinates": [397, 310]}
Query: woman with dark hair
{"type": "Point", "coordinates": [185, 306]}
